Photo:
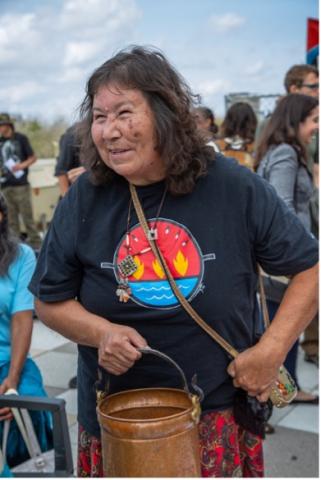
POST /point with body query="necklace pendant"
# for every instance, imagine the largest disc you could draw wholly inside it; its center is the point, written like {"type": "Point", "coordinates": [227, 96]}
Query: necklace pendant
{"type": "Point", "coordinates": [127, 266]}
{"type": "Point", "coordinates": [123, 291]}
{"type": "Point", "coordinates": [152, 234]}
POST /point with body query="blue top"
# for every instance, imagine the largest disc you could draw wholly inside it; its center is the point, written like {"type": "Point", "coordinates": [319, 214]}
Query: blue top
{"type": "Point", "coordinates": [15, 296]}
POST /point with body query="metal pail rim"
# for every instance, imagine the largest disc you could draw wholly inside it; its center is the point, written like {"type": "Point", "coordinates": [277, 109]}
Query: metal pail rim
{"type": "Point", "coordinates": [185, 410]}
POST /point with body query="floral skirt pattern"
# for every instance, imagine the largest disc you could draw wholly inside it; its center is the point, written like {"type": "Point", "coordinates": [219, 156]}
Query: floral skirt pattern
{"type": "Point", "coordinates": [227, 450]}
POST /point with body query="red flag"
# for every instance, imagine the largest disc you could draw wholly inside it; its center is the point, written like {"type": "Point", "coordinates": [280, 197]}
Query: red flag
{"type": "Point", "coordinates": [312, 40]}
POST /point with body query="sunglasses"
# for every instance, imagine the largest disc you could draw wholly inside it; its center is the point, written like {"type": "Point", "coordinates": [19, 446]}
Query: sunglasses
{"type": "Point", "coordinates": [312, 86]}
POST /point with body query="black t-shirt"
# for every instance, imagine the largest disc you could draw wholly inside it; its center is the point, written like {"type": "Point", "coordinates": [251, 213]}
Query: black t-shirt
{"type": "Point", "coordinates": [18, 149]}
{"type": "Point", "coordinates": [211, 239]}
{"type": "Point", "coordinates": [68, 152]}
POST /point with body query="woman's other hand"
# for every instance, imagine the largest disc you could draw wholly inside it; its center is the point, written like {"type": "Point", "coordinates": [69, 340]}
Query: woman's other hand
{"type": "Point", "coordinates": [255, 370]}
{"type": "Point", "coordinates": [117, 351]}
{"type": "Point", "coordinates": [5, 412]}
{"type": "Point", "coordinates": [74, 173]}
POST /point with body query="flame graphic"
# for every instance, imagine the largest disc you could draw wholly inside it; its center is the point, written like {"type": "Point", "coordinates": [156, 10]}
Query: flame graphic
{"type": "Point", "coordinates": [158, 269]}
{"type": "Point", "coordinates": [180, 263]}
{"type": "Point", "coordinates": [140, 268]}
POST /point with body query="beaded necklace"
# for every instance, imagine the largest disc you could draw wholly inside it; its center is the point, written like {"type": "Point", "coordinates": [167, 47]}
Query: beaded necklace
{"type": "Point", "coordinates": [128, 266]}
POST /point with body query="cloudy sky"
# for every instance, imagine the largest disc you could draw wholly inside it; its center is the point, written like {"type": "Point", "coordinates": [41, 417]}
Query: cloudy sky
{"type": "Point", "coordinates": [48, 48]}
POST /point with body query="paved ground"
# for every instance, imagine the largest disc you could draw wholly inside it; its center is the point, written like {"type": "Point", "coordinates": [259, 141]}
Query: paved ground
{"type": "Point", "coordinates": [291, 452]}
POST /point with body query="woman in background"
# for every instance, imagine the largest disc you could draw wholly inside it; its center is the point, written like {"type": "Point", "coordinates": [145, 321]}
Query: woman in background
{"type": "Point", "coordinates": [205, 123]}
{"type": "Point", "coordinates": [17, 370]}
{"type": "Point", "coordinates": [238, 132]}
{"type": "Point", "coordinates": [282, 161]}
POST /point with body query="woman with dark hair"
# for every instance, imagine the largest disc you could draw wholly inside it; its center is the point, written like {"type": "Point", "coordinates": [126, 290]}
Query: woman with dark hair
{"type": "Point", "coordinates": [238, 133]}
{"type": "Point", "coordinates": [17, 370]}
{"type": "Point", "coordinates": [282, 161]}
{"type": "Point", "coordinates": [281, 155]}
{"type": "Point", "coordinates": [205, 123]}
{"type": "Point", "coordinates": [98, 282]}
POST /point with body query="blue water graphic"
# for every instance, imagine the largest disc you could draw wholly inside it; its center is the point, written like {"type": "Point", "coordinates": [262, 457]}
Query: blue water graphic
{"type": "Point", "coordinates": [159, 293]}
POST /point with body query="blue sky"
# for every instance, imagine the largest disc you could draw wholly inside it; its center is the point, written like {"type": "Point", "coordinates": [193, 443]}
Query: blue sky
{"type": "Point", "coordinates": [49, 48]}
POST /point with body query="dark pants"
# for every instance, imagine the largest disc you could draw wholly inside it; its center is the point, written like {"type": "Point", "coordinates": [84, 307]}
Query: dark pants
{"type": "Point", "coordinates": [18, 199]}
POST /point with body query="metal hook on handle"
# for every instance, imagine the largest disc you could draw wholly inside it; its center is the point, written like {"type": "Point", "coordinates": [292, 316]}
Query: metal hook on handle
{"type": "Point", "coordinates": [148, 350]}
{"type": "Point", "coordinates": [197, 389]}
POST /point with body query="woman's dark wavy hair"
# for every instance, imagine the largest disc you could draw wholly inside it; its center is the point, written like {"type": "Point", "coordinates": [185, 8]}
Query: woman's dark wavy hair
{"type": "Point", "coordinates": [207, 113]}
{"type": "Point", "coordinates": [240, 120]}
{"type": "Point", "coordinates": [171, 101]}
{"type": "Point", "coordinates": [8, 243]}
{"type": "Point", "coordinates": [283, 125]}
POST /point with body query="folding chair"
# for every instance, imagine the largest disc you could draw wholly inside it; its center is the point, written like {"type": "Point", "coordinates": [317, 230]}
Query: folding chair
{"type": "Point", "coordinates": [59, 460]}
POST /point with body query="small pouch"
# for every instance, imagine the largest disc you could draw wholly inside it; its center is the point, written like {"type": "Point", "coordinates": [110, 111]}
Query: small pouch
{"type": "Point", "coordinates": [251, 414]}
{"type": "Point", "coordinates": [284, 390]}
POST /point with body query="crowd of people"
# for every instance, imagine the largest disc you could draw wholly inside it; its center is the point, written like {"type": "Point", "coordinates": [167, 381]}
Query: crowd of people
{"type": "Point", "coordinates": [216, 225]}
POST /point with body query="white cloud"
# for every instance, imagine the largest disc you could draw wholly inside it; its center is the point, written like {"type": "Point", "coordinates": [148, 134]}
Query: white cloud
{"type": "Point", "coordinates": [80, 52]}
{"type": "Point", "coordinates": [17, 34]}
{"type": "Point", "coordinates": [226, 22]}
{"type": "Point", "coordinates": [72, 74]}
{"type": "Point", "coordinates": [97, 15]}
{"type": "Point", "coordinates": [210, 87]}
{"type": "Point", "coordinates": [22, 91]}
{"type": "Point", "coordinates": [59, 43]}
{"type": "Point", "coordinates": [255, 68]}
{"type": "Point", "coordinates": [48, 49]}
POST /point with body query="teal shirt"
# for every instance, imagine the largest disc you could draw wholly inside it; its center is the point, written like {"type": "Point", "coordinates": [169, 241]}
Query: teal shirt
{"type": "Point", "coordinates": [15, 296]}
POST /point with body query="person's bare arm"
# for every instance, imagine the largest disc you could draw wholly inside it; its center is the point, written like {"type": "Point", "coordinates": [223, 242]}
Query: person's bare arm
{"type": "Point", "coordinates": [63, 183]}
{"type": "Point", "coordinates": [74, 173]}
{"type": "Point", "coordinates": [21, 331]}
{"type": "Point", "coordinates": [316, 175]}
{"type": "Point", "coordinates": [256, 368]}
{"type": "Point", "coordinates": [25, 164]}
{"type": "Point", "coordinates": [117, 344]}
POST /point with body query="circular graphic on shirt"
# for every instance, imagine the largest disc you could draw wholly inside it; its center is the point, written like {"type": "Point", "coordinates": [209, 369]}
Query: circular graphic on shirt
{"type": "Point", "coordinates": [148, 285]}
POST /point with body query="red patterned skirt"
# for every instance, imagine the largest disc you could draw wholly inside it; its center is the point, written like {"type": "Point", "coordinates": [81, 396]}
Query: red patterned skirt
{"type": "Point", "coordinates": [227, 450]}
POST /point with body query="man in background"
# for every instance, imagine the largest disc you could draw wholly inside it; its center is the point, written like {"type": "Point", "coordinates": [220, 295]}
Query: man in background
{"type": "Point", "coordinates": [67, 171]}
{"type": "Point", "coordinates": [16, 156]}
{"type": "Point", "coordinates": [68, 166]}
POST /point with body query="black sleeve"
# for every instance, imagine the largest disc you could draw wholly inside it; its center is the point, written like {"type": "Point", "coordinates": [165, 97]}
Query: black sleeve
{"type": "Point", "coordinates": [282, 245]}
{"type": "Point", "coordinates": [58, 272]}
{"type": "Point", "coordinates": [68, 155]}
{"type": "Point", "coordinates": [26, 149]}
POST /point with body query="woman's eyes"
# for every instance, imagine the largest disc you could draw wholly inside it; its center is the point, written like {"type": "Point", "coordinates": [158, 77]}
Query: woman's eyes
{"type": "Point", "coordinates": [98, 116]}
{"type": "Point", "coordinates": [124, 112]}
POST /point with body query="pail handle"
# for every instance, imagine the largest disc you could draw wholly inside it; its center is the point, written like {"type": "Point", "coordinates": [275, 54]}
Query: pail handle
{"type": "Point", "coordinates": [101, 391]}
{"type": "Point", "coordinates": [157, 353]}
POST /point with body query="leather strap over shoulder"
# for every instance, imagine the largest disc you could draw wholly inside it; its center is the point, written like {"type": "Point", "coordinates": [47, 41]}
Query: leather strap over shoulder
{"type": "Point", "coordinates": [185, 304]}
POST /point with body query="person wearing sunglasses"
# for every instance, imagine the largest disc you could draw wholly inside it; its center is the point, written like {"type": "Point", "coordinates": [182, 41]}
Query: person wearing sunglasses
{"type": "Point", "coordinates": [302, 79]}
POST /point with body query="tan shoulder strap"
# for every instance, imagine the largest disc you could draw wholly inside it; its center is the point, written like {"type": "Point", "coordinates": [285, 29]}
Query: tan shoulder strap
{"type": "Point", "coordinates": [185, 304]}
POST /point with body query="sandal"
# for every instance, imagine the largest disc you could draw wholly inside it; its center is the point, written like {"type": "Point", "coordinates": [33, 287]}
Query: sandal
{"type": "Point", "coordinates": [268, 428]}
{"type": "Point", "coordinates": [306, 398]}
{"type": "Point", "coordinates": [312, 358]}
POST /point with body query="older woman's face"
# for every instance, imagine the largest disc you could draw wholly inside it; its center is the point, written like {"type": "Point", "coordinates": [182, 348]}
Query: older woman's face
{"type": "Point", "coordinates": [124, 134]}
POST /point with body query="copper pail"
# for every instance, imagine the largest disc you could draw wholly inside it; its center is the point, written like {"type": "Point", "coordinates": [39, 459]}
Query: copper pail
{"type": "Point", "coordinates": [150, 432]}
